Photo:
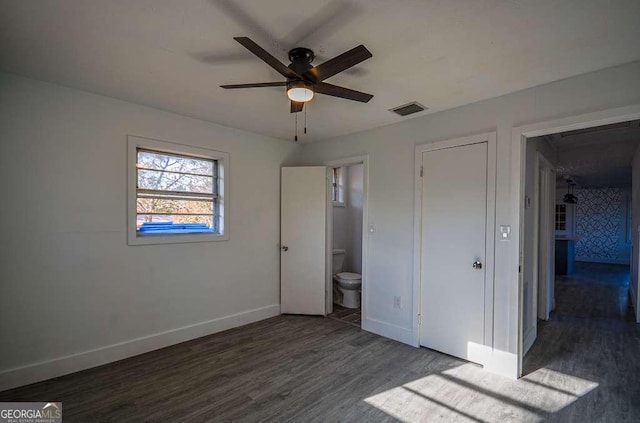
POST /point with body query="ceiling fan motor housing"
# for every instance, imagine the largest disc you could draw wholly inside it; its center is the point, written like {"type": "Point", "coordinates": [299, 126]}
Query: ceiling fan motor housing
{"type": "Point", "coordinates": [301, 59]}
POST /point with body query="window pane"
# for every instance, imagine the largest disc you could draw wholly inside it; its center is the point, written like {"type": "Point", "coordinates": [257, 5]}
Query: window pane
{"type": "Point", "coordinates": [160, 161]}
{"type": "Point", "coordinates": [169, 206]}
{"type": "Point", "coordinates": [159, 180]}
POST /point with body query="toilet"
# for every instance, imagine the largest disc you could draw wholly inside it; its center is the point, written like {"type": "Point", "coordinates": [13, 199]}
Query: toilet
{"type": "Point", "coordinates": [346, 285]}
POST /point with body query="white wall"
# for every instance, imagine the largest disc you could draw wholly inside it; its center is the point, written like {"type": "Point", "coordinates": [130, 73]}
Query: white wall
{"type": "Point", "coordinates": [391, 187]}
{"type": "Point", "coordinates": [355, 183]}
{"type": "Point", "coordinates": [69, 282]}
{"type": "Point", "coordinates": [635, 247]}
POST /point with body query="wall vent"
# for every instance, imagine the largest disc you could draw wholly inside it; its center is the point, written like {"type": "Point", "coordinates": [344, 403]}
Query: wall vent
{"type": "Point", "coordinates": [408, 109]}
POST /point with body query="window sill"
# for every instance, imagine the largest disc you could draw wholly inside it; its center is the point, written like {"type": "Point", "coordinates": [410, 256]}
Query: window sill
{"type": "Point", "coordinates": [179, 238]}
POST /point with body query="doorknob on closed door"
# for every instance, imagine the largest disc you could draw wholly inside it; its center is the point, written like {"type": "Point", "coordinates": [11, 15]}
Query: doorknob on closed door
{"type": "Point", "coordinates": [477, 264]}
{"type": "Point", "coordinates": [285, 248]}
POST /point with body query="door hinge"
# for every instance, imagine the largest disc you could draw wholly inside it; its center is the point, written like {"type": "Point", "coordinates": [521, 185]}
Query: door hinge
{"type": "Point", "coordinates": [419, 319]}
{"type": "Point", "coordinates": [421, 171]}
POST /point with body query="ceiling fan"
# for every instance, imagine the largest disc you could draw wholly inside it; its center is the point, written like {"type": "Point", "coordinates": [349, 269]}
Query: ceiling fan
{"type": "Point", "coordinates": [304, 79]}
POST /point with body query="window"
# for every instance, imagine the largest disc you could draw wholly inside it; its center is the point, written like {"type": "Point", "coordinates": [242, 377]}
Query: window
{"type": "Point", "coordinates": [176, 193]}
{"type": "Point", "coordinates": [337, 185]}
{"type": "Point", "coordinates": [561, 217]}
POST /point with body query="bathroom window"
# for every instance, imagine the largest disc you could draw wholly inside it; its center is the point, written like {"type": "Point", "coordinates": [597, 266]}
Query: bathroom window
{"type": "Point", "coordinates": [176, 193]}
{"type": "Point", "coordinates": [337, 185]}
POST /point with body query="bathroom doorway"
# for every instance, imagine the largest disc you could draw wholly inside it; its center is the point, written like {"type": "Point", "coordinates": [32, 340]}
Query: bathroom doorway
{"type": "Point", "coordinates": [347, 247]}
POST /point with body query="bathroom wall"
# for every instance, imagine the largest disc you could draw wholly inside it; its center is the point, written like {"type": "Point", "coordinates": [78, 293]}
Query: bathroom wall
{"type": "Point", "coordinates": [602, 225]}
{"type": "Point", "coordinates": [347, 219]}
{"type": "Point", "coordinates": [354, 185]}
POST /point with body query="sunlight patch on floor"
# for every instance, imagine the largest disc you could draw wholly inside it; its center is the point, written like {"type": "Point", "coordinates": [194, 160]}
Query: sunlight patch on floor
{"type": "Point", "coordinates": [470, 394]}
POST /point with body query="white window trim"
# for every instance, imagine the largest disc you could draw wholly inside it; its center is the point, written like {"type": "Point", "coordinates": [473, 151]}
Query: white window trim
{"type": "Point", "coordinates": [133, 238]}
{"type": "Point", "coordinates": [341, 180]}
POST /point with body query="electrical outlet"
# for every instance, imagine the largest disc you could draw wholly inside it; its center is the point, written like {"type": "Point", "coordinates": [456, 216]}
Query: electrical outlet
{"type": "Point", "coordinates": [397, 302]}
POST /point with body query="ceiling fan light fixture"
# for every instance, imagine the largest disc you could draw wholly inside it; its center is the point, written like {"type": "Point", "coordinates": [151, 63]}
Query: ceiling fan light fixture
{"type": "Point", "coordinates": [300, 91]}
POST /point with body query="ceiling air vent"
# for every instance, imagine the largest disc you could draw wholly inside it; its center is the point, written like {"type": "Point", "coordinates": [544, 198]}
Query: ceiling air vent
{"type": "Point", "coordinates": [408, 109]}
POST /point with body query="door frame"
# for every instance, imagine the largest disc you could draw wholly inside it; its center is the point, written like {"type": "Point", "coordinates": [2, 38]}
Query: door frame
{"type": "Point", "coordinates": [490, 139]}
{"type": "Point", "coordinates": [348, 161]}
{"type": "Point", "coordinates": [519, 137]}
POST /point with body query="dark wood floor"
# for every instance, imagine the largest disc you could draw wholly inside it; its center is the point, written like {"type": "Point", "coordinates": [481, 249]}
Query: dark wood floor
{"type": "Point", "coordinates": [307, 369]}
{"type": "Point", "coordinates": [353, 316]}
{"type": "Point", "coordinates": [591, 335]}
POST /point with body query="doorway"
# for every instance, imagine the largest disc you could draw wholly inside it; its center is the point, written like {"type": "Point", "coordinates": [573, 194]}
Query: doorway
{"type": "Point", "coordinates": [591, 235]}
{"type": "Point", "coordinates": [347, 235]}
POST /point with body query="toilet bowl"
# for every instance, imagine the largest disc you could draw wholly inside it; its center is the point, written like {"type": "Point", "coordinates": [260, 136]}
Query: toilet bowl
{"type": "Point", "coordinates": [346, 285]}
{"type": "Point", "coordinates": [349, 289]}
{"type": "Point", "coordinates": [349, 281]}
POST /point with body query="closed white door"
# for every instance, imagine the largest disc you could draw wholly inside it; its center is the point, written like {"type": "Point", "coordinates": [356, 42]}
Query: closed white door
{"type": "Point", "coordinates": [304, 192]}
{"type": "Point", "coordinates": [454, 213]}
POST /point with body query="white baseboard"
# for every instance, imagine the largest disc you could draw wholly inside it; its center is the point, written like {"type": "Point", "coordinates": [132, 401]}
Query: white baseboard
{"type": "Point", "coordinates": [31, 373]}
{"type": "Point", "coordinates": [388, 330]}
{"type": "Point", "coordinates": [503, 363]}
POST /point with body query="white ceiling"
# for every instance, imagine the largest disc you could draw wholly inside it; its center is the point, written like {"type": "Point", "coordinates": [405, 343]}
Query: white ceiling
{"type": "Point", "coordinates": [173, 54]}
{"type": "Point", "coordinates": [599, 157]}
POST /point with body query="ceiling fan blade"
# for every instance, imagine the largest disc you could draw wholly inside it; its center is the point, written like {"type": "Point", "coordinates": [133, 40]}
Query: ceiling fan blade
{"type": "Point", "coordinates": [338, 64]}
{"type": "Point", "coordinates": [296, 106]}
{"type": "Point", "coordinates": [342, 92]}
{"type": "Point", "coordinates": [267, 57]}
{"type": "Point", "coordinates": [256, 84]}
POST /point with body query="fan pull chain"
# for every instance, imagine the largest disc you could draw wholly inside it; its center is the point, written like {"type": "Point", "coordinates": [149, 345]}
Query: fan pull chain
{"type": "Point", "coordinates": [296, 137]}
{"type": "Point", "coordinates": [305, 119]}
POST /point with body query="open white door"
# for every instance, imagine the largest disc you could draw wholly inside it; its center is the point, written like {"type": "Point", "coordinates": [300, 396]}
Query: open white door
{"type": "Point", "coordinates": [546, 264]}
{"type": "Point", "coordinates": [453, 249]}
{"type": "Point", "coordinates": [304, 192]}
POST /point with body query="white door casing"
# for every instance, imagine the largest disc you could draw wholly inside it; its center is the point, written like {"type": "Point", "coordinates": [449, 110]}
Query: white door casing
{"type": "Point", "coordinates": [303, 226]}
{"type": "Point", "coordinates": [546, 240]}
{"type": "Point", "coordinates": [454, 237]}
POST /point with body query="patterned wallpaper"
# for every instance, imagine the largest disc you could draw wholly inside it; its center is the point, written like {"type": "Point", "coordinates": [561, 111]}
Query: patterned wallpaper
{"type": "Point", "coordinates": [601, 224]}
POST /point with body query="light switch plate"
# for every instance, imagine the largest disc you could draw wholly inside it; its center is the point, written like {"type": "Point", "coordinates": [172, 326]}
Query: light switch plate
{"type": "Point", "coordinates": [505, 233]}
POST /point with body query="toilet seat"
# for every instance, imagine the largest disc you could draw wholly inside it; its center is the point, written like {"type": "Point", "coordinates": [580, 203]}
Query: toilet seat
{"type": "Point", "coordinates": [349, 281]}
{"type": "Point", "coordinates": [348, 276]}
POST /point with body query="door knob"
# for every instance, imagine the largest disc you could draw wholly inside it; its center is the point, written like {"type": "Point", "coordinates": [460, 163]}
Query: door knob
{"type": "Point", "coordinates": [477, 264]}
{"type": "Point", "coordinates": [285, 248]}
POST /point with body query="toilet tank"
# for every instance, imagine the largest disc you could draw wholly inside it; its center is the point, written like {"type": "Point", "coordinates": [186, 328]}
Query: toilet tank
{"type": "Point", "coordinates": [338, 261]}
